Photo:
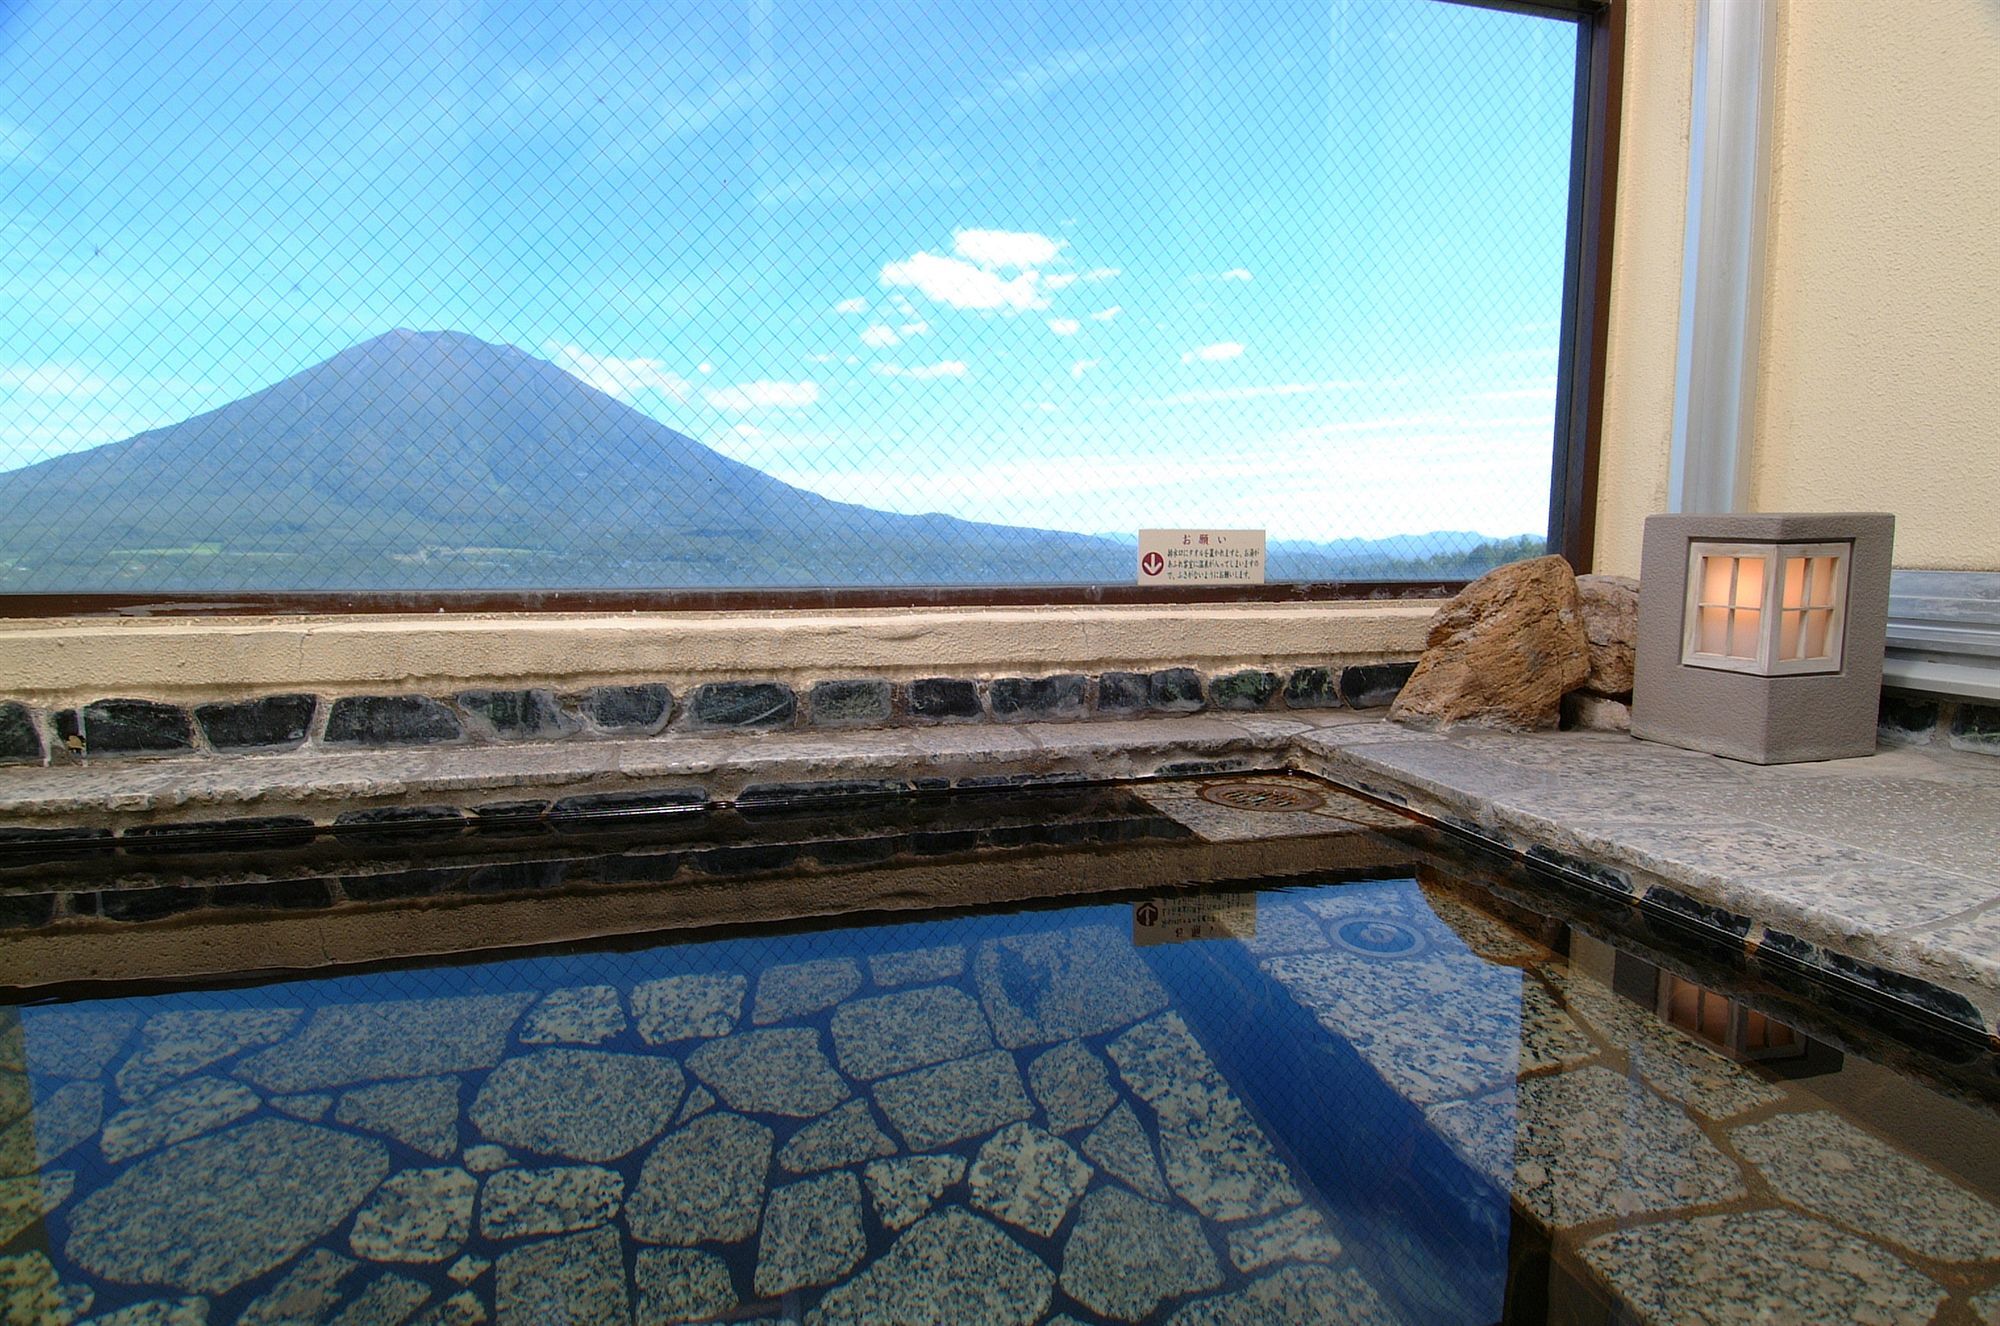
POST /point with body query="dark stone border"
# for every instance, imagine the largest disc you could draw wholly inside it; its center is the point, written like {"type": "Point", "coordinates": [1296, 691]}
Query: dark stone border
{"type": "Point", "coordinates": [126, 729]}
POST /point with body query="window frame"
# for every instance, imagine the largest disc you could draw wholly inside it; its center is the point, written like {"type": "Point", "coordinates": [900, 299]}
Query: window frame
{"type": "Point", "coordinates": [1579, 416]}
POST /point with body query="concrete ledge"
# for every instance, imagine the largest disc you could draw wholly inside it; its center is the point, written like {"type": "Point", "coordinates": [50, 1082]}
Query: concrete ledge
{"type": "Point", "coordinates": [72, 661]}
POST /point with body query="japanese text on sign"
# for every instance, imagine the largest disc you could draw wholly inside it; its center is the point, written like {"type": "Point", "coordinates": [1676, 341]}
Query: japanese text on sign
{"type": "Point", "coordinates": [1201, 557]}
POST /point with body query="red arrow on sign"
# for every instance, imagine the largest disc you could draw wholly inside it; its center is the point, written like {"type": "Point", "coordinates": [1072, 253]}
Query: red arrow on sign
{"type": "Point", "coordinates": [1152, 563]}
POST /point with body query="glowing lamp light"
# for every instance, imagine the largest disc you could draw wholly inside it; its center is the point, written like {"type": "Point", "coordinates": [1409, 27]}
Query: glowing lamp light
{"type": "Point", "coordinates": [1761, 636]}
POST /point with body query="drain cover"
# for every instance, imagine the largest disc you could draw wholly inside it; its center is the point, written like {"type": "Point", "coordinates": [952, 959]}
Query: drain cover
{"type": "Point", "coordinates": [1262, 796]}
{"type": "Point", "coordinates": [1378, 937]}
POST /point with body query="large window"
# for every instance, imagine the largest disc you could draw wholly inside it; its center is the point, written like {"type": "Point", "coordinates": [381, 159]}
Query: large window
{"type": "Point", "coordinates": [501, 296]}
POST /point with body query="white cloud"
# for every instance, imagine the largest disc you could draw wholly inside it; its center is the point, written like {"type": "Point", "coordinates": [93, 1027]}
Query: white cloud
{"type": "Point", "coordinates": [17, 143]}
{"type": "Point", "coordinates": [1214, 354]}
{"type": "Point", "coordinates": [854, 305]}
{"type": "Point", "coordinates": [1060, 280]}
{"type": "Point", "coordinates": [764, 395]}
{"type": "Point", "coordinates": [747, 430]}
{"type": "Point", "coordinates": [879, 337]}
{"type": "Point", "coordinates": [917, 328]}
{"type": "Point", "coordinates": [962, 284]}
{"type": "Point", "coordinates": [1096, 274]}
{"type": "Point", "coordinates": [51, 380]}
{"type": "Point", "coordinates": [821, 359]}
{"type": "Point", "coordinates": [1005, 248]}
{"type": "Point", "coordinates": [1107, 314]}
{"type": "Point", "coordinates": [950, 368]}
{"type": "Point", "coordinates": [1082, 366]}
{"type": "Point", "coordinates": [1235, 274]}
{"type": "Point", "coordinates": [623, 378]}
{"type": "Point", "coordinates": [705, 367]}
{"type": "Point", "coordinates": [1065, 326]}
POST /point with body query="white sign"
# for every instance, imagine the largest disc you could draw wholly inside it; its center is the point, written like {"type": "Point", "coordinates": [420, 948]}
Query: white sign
{"type": "Point", "coordinates": [1178, 919]}
{"type": "Point", "coordinates": [1201, 557]}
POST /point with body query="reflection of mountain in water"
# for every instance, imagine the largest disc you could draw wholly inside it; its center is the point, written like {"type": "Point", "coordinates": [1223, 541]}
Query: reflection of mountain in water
{"type": "Point", "coordinates": [438, 461]}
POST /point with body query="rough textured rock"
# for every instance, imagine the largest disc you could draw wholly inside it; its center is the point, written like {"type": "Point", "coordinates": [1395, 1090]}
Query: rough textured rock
{"type": "Point", "coordinates": [349, 1043]}
{"type": "Point", "coordinates": [307, 1105]}
{"type": "Point", "coordinates": [802, 988]}
{"type": "Point", "coordinates": [771, 1072]}
{"type": "Point", "coordinates": [176, 1043]}
{"type": "Point", "coordinates": [705, 1182]}
{"type": "Point", "coordinates": [1218, 1160]}
{"type": "Point", "coordinates": [308, 1292]}
{"type": "Point", "coordinates": [421, 1114]}
{"type": "Point", "coordinates": [679, 1284]}
{"type": "Point", "coordinates": [904, 1190]}
{"type": "Point", "coordinates": [844, 1137]}
{"type": "Point", "coordinates": [419, 1215]}
{"type": "Point", "coordinates": [953, 1267]}
{"type": "Point", "coordinates": [30, 1290]}
{"type": "Point", "coordinates": [936, 1106]}
{"type": "Point", "coordinates": [1611, 623]}
{"type": "Point", "coordinates": [812, 1235]}
{"type": "Point", "coordinates": [917, 964]}
{"type": "Point", "coordinates": [77, 1041]}
{"type": "Point", "coordinates": [461, 1309]}
{"type": "Point", "coordinates": [516, 1203]}
{"type": "Point", "coordinates": [174, 1115]}
{"type": "Point", "coordinates": [63, 1118]}
{"type": "Point", "coordinates": [1072, 1085]}
{"type": "Point", "coordinates": [209, 1214]}
{"type": "Point", "coordinates": [585, 1015]}
{"type": "Point", "coordinates": [1121, 1148]}
{"type": "Point", "coordinates": [1502, 653]}
{"type": "Point", "coordinates": [578, 1280]}
{"type": "Point", "coordinates": [1299, 1235]}
{"type": "Point", "coordinates": [1042, 988]}
{"type": "Point", "coordinates": [25, 1200]}
{"type": "Point", "coordinates": [1028, 1178]}
{"type": "Point", "coordinates": [897, 1032]}
{"type": "Point", "coordinates": [1584, 712]}
{"type": "Point", "coordinates": [582, 1104]}
{"type": "Point", "coordinates": [191, 1311]}
{"type": "Point", "coordinates": [681, 1008]}
{"type": "Point", "coordinates": [1127, 1256]}
{"type": "Point", "coordinates": [1295, 1296]}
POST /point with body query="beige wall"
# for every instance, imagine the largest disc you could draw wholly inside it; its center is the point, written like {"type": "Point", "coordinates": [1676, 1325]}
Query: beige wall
{"type": "Point", "coordinates": [1877, 381]}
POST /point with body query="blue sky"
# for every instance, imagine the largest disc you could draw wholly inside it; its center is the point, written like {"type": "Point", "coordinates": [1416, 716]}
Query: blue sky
{"type": "Point", "coordinates": [1090, 266]}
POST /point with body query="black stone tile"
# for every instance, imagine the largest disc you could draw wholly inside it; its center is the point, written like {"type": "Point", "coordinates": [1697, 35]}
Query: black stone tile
{"type": "Point", "coordinates": [856, 851]}
{"type": "Point", "coordinates": [634, 867]}
{"type": "Point", "coordinates": [944, 842]}
{"type": "Point", "coordinates": [274, 895]}
{"type": "Point", "coordinates": [1029, 698]}
{"type": "Point", "coordinates": [756, 704]}
{"type": "Point", "coordinates": [25, 911]}
{"type": "Point", "coordinates": [770, 798]}
{"type": "Point", "coordinates": [1312, 688]}
{"type": "Point", "coordinates": [596, 808]}
{"type": "Point", "coordinates": [641, 709]}
{"type": "Point", "coordinates": [1123, 692]}
{"type": "Point", "coordinates": [517, 877]}
{"type": "Point", "coordinates": [1906, 718]}
{"type": "Point", "coordinates": [1790, 948]}
{"type": "Point", "coordinates": [390, 720]}
{"type": "Point", "coordinates": [87, 905]}
{"type": "Point", "coordinates": [271, 722]}
{"type": "Point", "coordinates": [20, 738]}
{"type": "Point", "coordinates": [1372, 685]}
{"type": "Point", "coordinates": [1200, 768]}
{"type": "Point", "coordinates": [146, 904]}
{"type": "Point", "coordinates": [1175, 690]}
{"type": "Point", "coordinates": [1606, 877]}
{"type": "Point", "coordinates": [504, 817]}
{"type": "Point", "coordinates": [397, 884]}
{"type": "Point", "coordinates": [514, 715]}
{"type": "Point", "coordinates": [745, 859]}
{"type": "Point", "coordinates": [1977, 725]}
{"type": "Point", "coordinates": [398, 823]}
{"type": "Point", "coordinates": [944, 697]}
{"type": "Point", "coordinates": [930, 785]}
{"type": "Point", "coordinates": [22, 846]}
{"type": "Point", "coordinates": [1249, 689]}
{"type": "Point", "coordinates": [221, 835]}
{"type": "Point", "coordinates": [1932, 999]}
{"type": "Point", "coordinates": [128, 727]}
{"type": "Point", "coordinates": [858, 703]}
{"type": "Point", "coordinates": [1693, 910]}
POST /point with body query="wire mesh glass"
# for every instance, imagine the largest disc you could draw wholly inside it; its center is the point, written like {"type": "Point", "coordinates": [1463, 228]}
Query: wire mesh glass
{"type": "Point", "coordinates": [671, 296]}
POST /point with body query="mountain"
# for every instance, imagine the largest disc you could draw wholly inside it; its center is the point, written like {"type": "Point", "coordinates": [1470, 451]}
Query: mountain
{"type": "Point", "coordinates": [434, 460]}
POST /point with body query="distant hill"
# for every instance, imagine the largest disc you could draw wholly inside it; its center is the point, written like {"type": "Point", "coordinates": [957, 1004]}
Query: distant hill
{"type": "Point", "coordinates": [434, 460]}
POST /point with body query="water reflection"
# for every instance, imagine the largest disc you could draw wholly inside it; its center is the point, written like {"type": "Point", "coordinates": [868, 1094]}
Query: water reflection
{"type": "Point", "coordinates": [1376, 1099]}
